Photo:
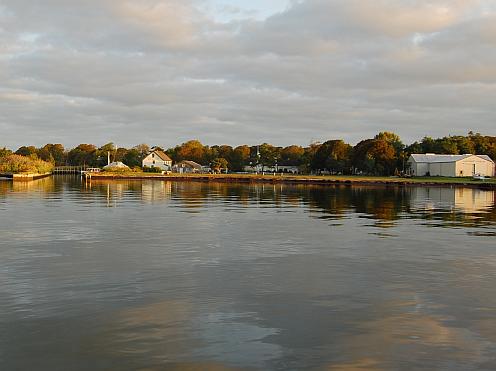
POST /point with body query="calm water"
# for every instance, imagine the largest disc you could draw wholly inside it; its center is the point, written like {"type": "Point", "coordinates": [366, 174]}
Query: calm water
{"type": "Point", "coordinates": [159, 275]}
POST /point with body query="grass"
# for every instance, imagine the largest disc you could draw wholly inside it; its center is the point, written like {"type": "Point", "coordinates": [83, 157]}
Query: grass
{"type": "Point", "coordinates": [305, 178]}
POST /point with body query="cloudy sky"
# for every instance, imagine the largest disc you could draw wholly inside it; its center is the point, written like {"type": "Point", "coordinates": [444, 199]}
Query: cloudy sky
{"type": "Point", "coordinates": [244, 71]}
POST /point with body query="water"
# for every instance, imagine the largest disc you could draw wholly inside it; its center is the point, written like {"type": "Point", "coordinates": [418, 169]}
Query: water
{"type": "Point", "coordinates": [160, 275]}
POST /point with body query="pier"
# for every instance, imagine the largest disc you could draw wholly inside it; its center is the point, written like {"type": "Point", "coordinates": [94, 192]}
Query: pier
{"type": "Point", "coordinates": [69, 169]}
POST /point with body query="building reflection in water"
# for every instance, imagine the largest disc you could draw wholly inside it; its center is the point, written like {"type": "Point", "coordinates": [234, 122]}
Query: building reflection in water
{"type": "Point", "coordinates": [467, 200]}
{"type": "Point", "coordinates": [146, 191]}
{"type": "Point", "coordinates": [156, 191]}
{"type": "Point", "coordinates": [384, 206]}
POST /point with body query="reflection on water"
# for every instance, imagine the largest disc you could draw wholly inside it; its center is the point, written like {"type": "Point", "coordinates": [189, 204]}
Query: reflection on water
{"type": "Point", "coordinates": [147, 275]}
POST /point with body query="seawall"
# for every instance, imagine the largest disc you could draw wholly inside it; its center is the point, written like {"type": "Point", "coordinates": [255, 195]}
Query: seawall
{"type": "Point", "coordinates": [241, 178]}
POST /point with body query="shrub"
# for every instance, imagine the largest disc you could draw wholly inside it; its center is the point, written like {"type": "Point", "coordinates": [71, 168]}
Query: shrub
{"type": "Point", "coordinates": [15, 164]}
{"type": "Point", "coordinates": [152, 169]}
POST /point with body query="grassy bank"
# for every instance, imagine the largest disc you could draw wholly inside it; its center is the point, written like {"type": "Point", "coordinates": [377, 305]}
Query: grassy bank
{"type": "Point", "coordinates": [303, 179]}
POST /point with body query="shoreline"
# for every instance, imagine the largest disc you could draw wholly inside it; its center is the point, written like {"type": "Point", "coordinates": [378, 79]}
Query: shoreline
{"type": "Point", "coordinates": [301, 179]}
{"type": "Point", "coordinates": [25, 177]}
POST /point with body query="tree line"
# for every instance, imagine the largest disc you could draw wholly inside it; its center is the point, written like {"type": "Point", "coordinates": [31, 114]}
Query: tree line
{"type": "Point", "coordinates": [384, 154]}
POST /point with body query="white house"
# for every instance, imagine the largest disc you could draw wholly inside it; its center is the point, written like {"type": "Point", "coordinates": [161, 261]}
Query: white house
{"type": "Point", "coordinates": [451, 165]}
{"type": "Point", "coordinates": [186, 166]}
{"type": "Point", "coordinates": [157, 158]}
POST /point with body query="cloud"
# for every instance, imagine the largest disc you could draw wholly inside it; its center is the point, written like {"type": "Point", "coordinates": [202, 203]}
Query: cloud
{"type": "Point", "coordinates": [167, 71]}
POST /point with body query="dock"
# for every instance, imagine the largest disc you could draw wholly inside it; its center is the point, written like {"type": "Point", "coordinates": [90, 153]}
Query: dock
{"type": "Point", "coordinates": [69, 169]}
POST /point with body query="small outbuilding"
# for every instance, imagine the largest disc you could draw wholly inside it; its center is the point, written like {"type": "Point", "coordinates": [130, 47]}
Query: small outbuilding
{"type": "Point", "coordinates": [157, 158]}
{"type": "Point", "coordinates": [187, 166]}
{"type": "Point", "coordinates": [451, 165]}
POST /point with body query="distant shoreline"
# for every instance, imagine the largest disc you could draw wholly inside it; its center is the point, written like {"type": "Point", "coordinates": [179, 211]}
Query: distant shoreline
{"type": "Point", "coordinates": [302, 179]}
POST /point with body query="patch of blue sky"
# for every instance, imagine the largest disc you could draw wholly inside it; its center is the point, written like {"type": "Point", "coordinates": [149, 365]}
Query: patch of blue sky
{"type": "Point", "coordinates": [230, 10]}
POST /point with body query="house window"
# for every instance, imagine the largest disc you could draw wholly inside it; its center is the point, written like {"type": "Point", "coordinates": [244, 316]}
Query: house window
{"type": "Point", "coordinates": [153, 155]}
{"type": "Point", "coordinates": [153, 162]}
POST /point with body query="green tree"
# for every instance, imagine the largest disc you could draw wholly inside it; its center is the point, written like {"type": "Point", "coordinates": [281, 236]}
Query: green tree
{"type": "Point", "coordinates": [269, 155]}
{"type": "Point", "coordinates": [374, 156]}
{"type": "Point", "coordinates": [83, 154]}
{"type": "Point", "coordinates": [333, 155]}
{"type": "Point", "coordinates": [53, 153]}
{"type": "Point", "coordinates": [132, 158]}
{"type": "Point", "coordinates": [240, 158]}
{"type": "Point", "coordinates": [27, 151]}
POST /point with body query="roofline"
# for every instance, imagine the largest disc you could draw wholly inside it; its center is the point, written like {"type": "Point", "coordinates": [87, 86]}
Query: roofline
{"type": "Point", "coordinates": [448, 162]}
{"type": "Point", "coordinates": [156, 150]}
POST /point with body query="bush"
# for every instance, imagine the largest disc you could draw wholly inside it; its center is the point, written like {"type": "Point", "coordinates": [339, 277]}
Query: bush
{"type": "Point", "coordinates": [118, 170]}
{"type": "Point", "coordinates": [16, 164]}
{"type": "Point", "coordinates": [152, 169]}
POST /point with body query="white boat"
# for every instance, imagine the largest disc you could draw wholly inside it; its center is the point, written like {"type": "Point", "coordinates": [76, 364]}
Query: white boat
{"type": "Point", "coordinates": [478, 177]}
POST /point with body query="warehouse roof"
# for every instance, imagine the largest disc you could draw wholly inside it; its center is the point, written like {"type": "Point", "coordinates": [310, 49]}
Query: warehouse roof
{"type": "Point", "coordinates": [431, 157]}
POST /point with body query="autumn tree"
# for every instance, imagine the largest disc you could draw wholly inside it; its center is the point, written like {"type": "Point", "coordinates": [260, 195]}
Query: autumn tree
{"type": "Point", "coordinates": [483, 144]}
{"type": "Point", "coordinates": [292, 155]}
{"type": "Point", "coordinates": [240, 157]}
{"type": "Point", "coordinates": [191, 150]}
{"type": "Point", "coordinates": [333, 155]}
{"type": "Point", "coordinates": [374, 156]}
{"type": "Point", "coordinates": [5, 152]}
{"type": "Point", "coordinates": [219, 164]}
{"type": "Point", "coordinates": [391, 138]}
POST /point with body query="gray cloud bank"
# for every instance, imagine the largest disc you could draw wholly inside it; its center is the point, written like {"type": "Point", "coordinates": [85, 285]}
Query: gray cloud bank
{"type": "Point", "coordinates": [163, 72]}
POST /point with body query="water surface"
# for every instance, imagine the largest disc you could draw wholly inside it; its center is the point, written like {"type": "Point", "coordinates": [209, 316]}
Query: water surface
{"type": "Point", "coordinates": [151, 275]}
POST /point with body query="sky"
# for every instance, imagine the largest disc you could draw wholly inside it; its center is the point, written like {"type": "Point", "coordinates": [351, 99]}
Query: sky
{"type": "Point", "coordinates": [286, 72]}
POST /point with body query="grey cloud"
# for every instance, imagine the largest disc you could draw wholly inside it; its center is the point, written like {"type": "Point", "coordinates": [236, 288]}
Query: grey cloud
{"type": "Point", "coordinates": [163, 72]}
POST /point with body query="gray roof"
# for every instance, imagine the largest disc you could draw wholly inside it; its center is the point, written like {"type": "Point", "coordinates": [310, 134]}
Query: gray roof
{"type": "Point", "coordinates": [430, 158]}
{"type": "Point", "coordinates": [161, 155]}
{"type": "Point", "coordinates": [189, 163]}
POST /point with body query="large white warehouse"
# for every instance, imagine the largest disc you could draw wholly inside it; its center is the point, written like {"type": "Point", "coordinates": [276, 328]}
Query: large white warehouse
{"type": "Point", "coordinates": [451, 165]}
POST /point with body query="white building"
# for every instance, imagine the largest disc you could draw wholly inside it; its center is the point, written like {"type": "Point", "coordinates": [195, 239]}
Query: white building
{"type": "Point", "coordinates": [451, 165]}
{"type": "Point", "coordinates": [187, 166]}
{"type": "Point", "coordinates": [157, 158]}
